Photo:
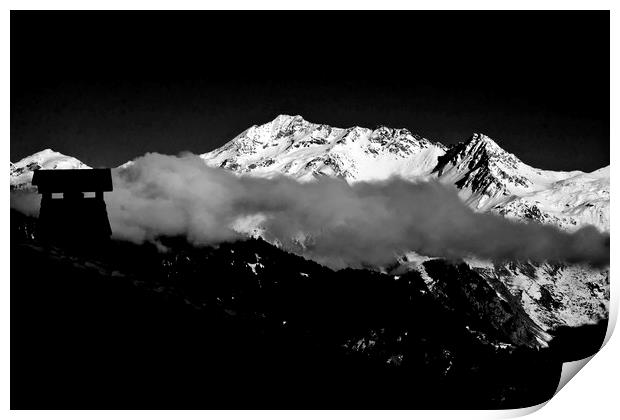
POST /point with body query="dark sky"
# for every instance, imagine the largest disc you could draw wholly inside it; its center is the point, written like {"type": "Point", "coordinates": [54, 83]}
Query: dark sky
{"type": "Point", "coordinates": [108, 86]}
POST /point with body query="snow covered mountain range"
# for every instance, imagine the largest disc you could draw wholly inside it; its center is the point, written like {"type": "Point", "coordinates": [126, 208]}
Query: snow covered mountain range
{"type": "Point", "coordinates": [488, 178]}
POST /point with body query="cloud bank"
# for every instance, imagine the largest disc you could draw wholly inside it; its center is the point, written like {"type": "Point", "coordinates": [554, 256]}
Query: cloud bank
{"type": "Point", "coordinates": [348, 225]}
{"type": "Point", "coordinates": [344, 225]}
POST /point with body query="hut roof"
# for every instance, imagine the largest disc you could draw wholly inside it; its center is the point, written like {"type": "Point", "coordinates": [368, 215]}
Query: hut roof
{"type": "Point", "coordinates": [72, 180]}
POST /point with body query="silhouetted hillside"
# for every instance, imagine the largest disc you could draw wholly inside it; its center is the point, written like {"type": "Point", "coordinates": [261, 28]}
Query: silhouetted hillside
{"type": "Point", "coordinates": [246, 325]}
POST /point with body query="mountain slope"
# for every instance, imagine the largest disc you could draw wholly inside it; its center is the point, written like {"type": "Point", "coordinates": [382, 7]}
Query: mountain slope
{"type": "Point", "coordinates": [247, 323]}
{"type": "Point", "coordinates": [293, 146]}
{"type": "Point", "coordinates": [21, 171]}
{"type": "Point", "coordinates": [570, 204]}
{"type": "Point", "coordinates": [486, 174]}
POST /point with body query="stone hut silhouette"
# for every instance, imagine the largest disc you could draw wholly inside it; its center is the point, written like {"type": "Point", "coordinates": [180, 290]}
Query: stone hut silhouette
{"type": "Point", "coordinates": [73, 218]}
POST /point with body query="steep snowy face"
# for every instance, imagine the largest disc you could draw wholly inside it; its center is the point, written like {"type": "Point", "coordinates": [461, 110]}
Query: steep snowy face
{"type": "Point", "coordinates": [552, 294]}
{"type": "Point", "coordinates": [487, 175]}
{"type": "Point", "coordinates": [569, 204]}
{"type": "Point", "coordinates": [22, 171]}
{"type": "Point", "coordinates": [293, 146]}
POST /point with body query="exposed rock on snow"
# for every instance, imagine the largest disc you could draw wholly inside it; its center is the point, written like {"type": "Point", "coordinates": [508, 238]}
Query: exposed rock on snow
{"type": "Point", "coordinates": [293, 146]}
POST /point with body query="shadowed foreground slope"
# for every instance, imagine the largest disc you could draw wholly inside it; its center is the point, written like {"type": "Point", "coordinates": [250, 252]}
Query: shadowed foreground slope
{"type": "Point", "coordinates": [246, 325]}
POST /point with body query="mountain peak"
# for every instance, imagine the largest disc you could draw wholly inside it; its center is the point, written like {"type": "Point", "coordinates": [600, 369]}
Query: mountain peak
{"type": "Point", "coordinates": [287, 117]}
{"type": "Point", "coordinates": [481, 137]}
{"type": "Point", "coordinates": [291, 145]}
{"type": "Point", "coordinates": [284, 121]}
{"type": "Point", "coordinates": [21, 171]}
{"type": "Point", "coordinates": [42, 154]}
{"type": "Point", "coordinates": [480, 166]}
{"type": "Point", "coordinates": [482, 141]}
{"type": "Point", "coordinates": [481, 147]}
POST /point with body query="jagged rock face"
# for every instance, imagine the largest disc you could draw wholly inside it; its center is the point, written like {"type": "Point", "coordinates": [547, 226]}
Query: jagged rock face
{"type": "Point", "coordinates": [480, 168]}
{"type": "Point", "coordinates": [553, 295]}
{"type": "Point", "coordinates": [489, 304]}
{"type": "Point", "coordinates": [486, 175]}
{"type": "Point", "coordinates": [21, 172]}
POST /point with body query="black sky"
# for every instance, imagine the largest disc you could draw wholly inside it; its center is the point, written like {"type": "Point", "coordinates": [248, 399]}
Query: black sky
{"type": "Point", "coordinates": [108, 86]}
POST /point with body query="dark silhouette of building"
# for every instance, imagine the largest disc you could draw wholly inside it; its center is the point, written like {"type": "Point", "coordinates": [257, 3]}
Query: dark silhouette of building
{"type": "Point", "coordinates": [73, 218]}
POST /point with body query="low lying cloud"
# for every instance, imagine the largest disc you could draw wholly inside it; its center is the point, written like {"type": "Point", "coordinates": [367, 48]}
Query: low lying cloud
{"type": "Point", "coordinates": [344, 225]}
{"type": "Point", "coordinates": [26, 202]}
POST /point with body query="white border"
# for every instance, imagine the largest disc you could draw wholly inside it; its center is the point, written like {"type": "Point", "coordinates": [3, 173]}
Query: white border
{"type": "Point", "coordinates": [593, 394]}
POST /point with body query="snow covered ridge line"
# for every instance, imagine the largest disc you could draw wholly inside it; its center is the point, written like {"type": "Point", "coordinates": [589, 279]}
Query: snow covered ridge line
{"type": "Point", "coordinates": [296, 147]}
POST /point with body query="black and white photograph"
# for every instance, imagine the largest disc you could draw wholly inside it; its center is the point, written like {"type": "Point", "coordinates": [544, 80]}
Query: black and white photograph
{"type": "Point", "coordinates": [306, 209]}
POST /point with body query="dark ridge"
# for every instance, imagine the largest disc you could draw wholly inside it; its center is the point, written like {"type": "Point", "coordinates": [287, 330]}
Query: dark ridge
{"type": "Point", "coordinates": [571, 343]}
